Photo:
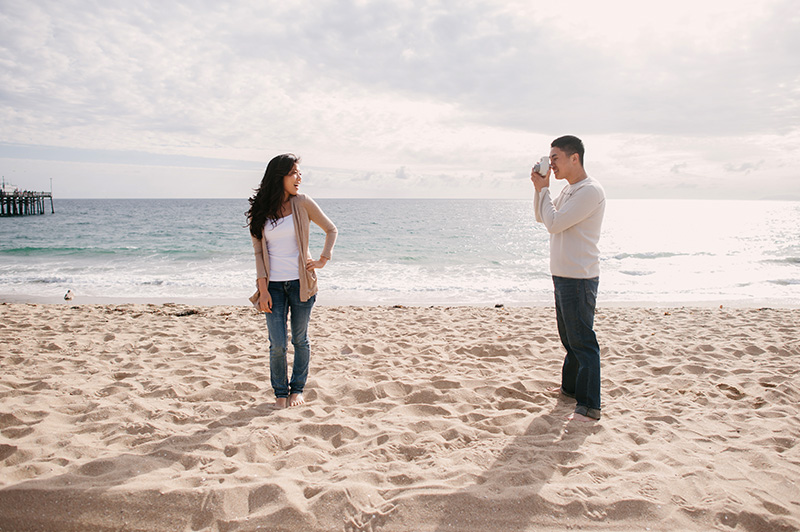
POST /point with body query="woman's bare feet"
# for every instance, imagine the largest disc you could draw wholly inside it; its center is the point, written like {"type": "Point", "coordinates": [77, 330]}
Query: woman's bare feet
{"type": "Point", "coordinates": [281, 402]}
{"type": "Point", "coordinates": [296, 399]}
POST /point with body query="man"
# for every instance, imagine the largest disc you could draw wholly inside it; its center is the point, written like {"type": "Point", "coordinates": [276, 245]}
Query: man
{"type": "Point", "coordinates": [573, 221]}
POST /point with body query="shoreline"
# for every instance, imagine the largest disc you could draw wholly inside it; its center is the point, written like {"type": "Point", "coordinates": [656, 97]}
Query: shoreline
{"type": "Point", "coordinates": [362, 302]}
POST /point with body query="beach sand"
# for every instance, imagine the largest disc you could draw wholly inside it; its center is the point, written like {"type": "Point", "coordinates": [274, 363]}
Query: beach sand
{"type": "Point", "coordinates": [160, 418]}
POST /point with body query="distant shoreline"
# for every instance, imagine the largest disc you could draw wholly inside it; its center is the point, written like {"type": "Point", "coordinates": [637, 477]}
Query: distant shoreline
{"type": "Point", "coordinates": [355, 302]}
{"type": "Point", "coordinates": [317, 197]}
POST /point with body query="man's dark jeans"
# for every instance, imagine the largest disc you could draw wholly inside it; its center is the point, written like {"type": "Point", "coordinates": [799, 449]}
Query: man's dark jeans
{"type": "Point", "coordinates": [575, 304]}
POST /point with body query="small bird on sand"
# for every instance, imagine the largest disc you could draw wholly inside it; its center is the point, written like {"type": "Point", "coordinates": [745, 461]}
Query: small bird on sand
{"type": "Point", "coordinates": [68, 296]}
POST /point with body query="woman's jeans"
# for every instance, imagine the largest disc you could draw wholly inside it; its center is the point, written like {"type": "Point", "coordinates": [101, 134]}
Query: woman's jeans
{"type": "Point", "coordinates": [285, 297]}
{"type": "Point", "coordinates": [575, 304]}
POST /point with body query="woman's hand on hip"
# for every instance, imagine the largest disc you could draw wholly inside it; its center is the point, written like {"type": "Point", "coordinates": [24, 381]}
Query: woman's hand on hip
{"type": "Point", "coordinates": [312, 265]}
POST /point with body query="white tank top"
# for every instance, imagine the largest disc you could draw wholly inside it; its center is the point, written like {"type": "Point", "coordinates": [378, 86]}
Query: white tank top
{"type": "Point", "coordinates": [284, 256]}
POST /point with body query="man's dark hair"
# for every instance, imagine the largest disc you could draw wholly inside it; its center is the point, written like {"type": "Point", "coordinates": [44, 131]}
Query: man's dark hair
{"type": "Point", "coordinates": [569, 145]}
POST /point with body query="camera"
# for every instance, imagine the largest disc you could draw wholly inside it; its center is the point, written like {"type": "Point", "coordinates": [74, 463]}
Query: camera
{"type": "Point", "coordinates": [542, 166]}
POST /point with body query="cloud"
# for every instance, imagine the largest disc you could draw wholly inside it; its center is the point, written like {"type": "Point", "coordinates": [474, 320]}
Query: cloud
{"type": "Point", "coordinates": [678, 168]}
{"type": "Point", "coordinates": [451, 89]}
{"type": "Point", "coordinates": [743, 167]}
{"type": "Point", "coordinates": [500, 68]}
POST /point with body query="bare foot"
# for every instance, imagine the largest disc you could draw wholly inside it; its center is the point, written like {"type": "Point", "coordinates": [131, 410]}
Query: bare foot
{"type": "Point", "coordinates": [580, 417]}
{"type": "Point", "coordinates": [280, 402]}
{"type": "Point", "coordinates": [296, 399]}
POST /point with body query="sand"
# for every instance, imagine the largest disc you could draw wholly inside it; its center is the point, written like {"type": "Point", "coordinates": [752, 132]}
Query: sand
{"type": "Point", "coordinates": [160, 418]}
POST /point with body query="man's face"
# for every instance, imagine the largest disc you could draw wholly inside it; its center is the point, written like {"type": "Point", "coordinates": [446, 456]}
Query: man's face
{"type": "Point", "coordinates": [562, 164]}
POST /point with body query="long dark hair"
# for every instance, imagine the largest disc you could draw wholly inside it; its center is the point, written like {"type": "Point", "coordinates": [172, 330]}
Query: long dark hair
{"type": "Point", "coordinates": [266, 203]}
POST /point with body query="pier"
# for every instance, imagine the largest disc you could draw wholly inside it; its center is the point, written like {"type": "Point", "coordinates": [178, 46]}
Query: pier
{"type": "Point", "coordinates": [24, 203]}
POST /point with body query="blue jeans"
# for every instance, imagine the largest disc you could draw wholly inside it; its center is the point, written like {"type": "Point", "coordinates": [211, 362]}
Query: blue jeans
{"type": "Point", "coordinates": [285, 297]}
{"type": "Point", "coordinates": [575, 304]}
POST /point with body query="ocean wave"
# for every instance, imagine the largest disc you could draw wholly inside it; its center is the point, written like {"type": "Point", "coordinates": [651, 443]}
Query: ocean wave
{"type": "Point", "coordinates": [193, 254]}
{"type": "Point", "coordinates": [33, 250]}
{"type": "Point", "coordinates": [635, 273]}
{"type": "Point", "coordinates": [785, 282]}
{"type": "Point", "coordinates": [648, 255]}
{"type": "Point", "coordinates": [784, 260]}
{"type": "Point", "coordinates": [47, 280]}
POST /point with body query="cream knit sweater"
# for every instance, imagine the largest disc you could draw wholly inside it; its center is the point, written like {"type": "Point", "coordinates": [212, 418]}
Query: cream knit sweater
{"type": "Point", "coordinates": [574, 221]}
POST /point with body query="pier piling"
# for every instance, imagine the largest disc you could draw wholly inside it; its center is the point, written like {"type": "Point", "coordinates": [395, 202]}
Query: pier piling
{"type": "Point", "coordinates": [24, 203]}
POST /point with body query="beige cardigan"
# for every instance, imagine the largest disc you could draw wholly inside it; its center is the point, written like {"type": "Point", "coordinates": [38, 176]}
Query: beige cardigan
{"type": "Point", "coordinates": [304, 211]}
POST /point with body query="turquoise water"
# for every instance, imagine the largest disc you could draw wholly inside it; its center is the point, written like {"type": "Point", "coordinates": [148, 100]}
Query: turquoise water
{"type": "Point", "coordinates": [406, 252]}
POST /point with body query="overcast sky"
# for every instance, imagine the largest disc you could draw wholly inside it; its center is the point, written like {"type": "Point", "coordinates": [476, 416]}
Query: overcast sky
{"type": "Point", "coordinates": [399, 98]}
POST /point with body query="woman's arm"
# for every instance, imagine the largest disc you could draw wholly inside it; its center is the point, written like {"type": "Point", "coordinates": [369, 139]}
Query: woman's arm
{"type": "Point", "coordinates": [264, 299]}
{"type": "Point", "coordinates": [316, 215]}
{"type": "Point", "coordinates": [258, 251]}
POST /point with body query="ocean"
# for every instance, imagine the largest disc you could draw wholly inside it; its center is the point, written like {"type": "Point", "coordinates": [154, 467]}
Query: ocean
{"type": "Point", "coordinates": [405, 252]}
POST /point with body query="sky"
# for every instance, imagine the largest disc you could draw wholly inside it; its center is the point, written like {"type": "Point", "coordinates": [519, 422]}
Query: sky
{"type": "Point", "coordinates": [399, 98]}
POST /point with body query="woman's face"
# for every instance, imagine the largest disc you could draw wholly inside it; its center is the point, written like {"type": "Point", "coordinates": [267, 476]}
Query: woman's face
{"type": "Point", "coordinates": [291, 183]}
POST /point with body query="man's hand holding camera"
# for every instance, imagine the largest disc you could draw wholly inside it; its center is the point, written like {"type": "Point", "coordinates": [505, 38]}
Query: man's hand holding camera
{"type": "Point", "coordinates": [540, 173]}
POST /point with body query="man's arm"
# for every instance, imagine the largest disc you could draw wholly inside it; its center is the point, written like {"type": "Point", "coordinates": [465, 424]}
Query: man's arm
{"type": "Point", "coordinates": [540, 184]}
{"type": "Point", "coordinates": [579, 206]}
{"type": "Point", "coordinates": [539, 196]}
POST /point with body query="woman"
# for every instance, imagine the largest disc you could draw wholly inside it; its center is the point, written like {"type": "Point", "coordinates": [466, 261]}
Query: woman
{"type": "Point", "coordinates": [279, 220]}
